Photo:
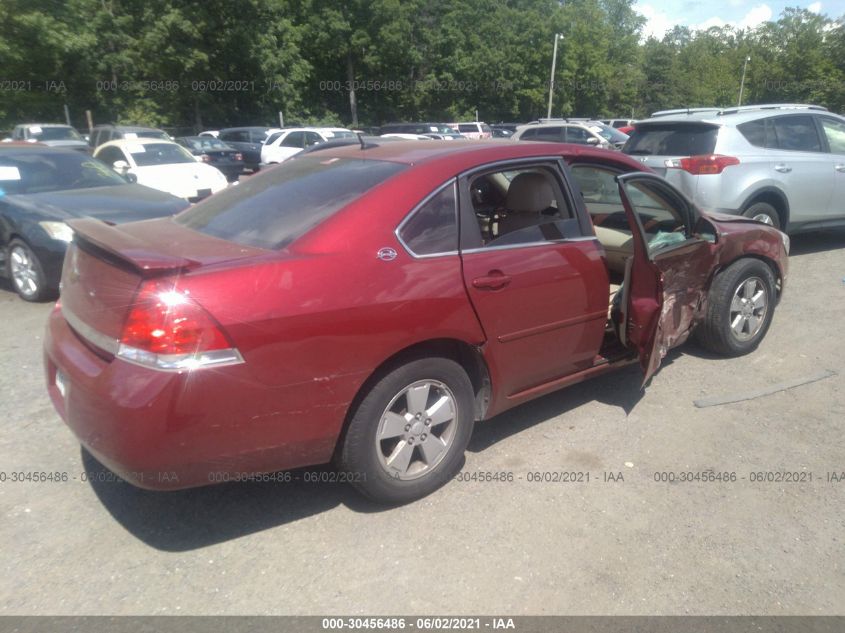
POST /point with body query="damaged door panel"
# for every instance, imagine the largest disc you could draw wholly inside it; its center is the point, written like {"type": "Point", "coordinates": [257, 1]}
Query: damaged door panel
{"type": "Point", "coordinates": [668, 271]}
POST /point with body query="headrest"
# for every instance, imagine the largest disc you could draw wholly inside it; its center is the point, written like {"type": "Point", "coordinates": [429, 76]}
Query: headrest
{"type": "Point", "coordinates": [530, 192]}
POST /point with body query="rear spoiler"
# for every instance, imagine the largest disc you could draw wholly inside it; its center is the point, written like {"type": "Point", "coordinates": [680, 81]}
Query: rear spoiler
{"type": "Point", "coordinates": [139, 254]}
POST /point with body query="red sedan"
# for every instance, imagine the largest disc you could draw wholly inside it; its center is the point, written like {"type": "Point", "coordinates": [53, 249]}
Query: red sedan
{"type": "Point", "coordinates": [368, 304]}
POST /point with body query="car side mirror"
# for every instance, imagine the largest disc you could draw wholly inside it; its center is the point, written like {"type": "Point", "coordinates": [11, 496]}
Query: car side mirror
{"type": "Point", "coordinates": [120, 166]}
{"type": "Point", "coordinates": [130, 178]}
{"type": "Point", "coordinates": [592, 141]}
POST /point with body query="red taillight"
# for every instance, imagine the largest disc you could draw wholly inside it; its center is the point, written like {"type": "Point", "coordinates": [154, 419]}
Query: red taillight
{"type": "Point", "coordinates": [205, 158]}
{"type": "Point", "coordinates": [166, 329]}
{"type": "Point", "coordinates": [169, 322]}
{"type": "Point", "coordinates": [239, 156]}
{"type": "Point", "coordinates": [704, 164]}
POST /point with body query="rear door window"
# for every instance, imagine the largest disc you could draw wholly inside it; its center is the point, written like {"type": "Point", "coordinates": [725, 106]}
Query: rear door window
{"type": "Point", "coordinates": [279, 205]}
{"type": "Point", "coordinates": [797, 132]}
{"type": "Point", "coordinates": [578, 135]}
{"type": "Point", "coordinates": [554, 133]}
{"type": "Point", "coordinates": [294, 139]}
{"type": "Point", "coordinates": [672, 140]}
{"type": "Point", "coordinates": [834, 130]}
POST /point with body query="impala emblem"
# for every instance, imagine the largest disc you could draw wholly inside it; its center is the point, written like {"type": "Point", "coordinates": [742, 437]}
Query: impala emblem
{"type": "Point", "coordinates": [386, 254]}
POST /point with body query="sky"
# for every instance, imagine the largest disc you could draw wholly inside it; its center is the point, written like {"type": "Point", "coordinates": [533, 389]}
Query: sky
{"type": "Point", "coordinates": [662, 15]}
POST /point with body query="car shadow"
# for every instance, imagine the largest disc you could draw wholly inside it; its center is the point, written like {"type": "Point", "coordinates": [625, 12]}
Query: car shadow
{"type": "Point", "coordinates": [185, 520]}
{"type": "Point", "coordinates": [621, 388]}
{"type": "Point", "coordinates": [817, 241]}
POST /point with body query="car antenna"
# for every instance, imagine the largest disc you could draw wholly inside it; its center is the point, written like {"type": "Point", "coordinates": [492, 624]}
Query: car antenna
{"type": "Point", "coordinates": [360, 136]}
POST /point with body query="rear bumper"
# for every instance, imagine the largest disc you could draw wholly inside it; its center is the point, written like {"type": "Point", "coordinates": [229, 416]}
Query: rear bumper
{"type": "Point", "coordinates": [163, 430]}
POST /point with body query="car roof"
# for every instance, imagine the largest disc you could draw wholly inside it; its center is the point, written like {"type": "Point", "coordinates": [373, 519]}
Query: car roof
{"type": "Point", "coordinates": [26, 145]}
{"type": "Point", "coordinates": [471, 153]}
{"type": "Point", "coordinates": [729, 116]}
{"type": "Point", "coordinates": [127, 128]}
{"type": "Point", "coordinates": [43, 125]}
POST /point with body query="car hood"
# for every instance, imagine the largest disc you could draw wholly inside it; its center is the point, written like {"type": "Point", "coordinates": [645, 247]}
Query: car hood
{"type": "Point", "coordinates": [116, 203]}
{"type": "Point", "coordinates": [176, 173]}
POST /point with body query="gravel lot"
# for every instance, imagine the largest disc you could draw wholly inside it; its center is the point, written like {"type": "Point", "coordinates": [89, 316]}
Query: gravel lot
{"type": "Point", "coordinates": [523, 547]}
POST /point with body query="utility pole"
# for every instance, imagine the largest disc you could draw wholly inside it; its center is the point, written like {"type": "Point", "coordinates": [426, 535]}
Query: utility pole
{"type": "Point", "coordinates": [742, 83]}
{"type": "Point", "coordinates": [558, 36]}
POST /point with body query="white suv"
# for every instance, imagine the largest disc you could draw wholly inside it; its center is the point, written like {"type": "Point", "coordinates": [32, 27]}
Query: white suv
{"type": "Point", "coordinates": [782, 164]}
{"type": "Point", "coordinates": [473, 130]}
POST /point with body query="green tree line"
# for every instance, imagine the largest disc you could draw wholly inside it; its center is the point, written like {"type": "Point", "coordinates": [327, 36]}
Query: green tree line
{"type": "Point", "coordinates": [213, 63]}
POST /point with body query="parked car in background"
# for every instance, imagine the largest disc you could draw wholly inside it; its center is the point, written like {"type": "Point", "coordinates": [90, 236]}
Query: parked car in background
{"type": "Point", "coordinates": [211, 133]}
{"type": "Point", "coordinates": [618, 123]}
{"type": "Point", "coordinates": [163, 165]}
{"type": "Point", "coordinates": [248, 141]}
{"type": "Point", "coordinates": [781, 164]}
{"type": "Point", "coordinates": [473, 130]}
{"type": "Point", "coordinates": [283, 144]}
{"type": "Point", "coordinates": [582, 133]}
{"type": "Point", "coordinates": [502, 132]}
{"type": "Point", "coordinates": [409, 137]}
{"type": "Point", "coordinates": [216, 153]}
{"type": "Point", "coordinates": [439, 131]}
{"type": "Point", "coordinates": [104, 133]}
{"type": "Point", "coordinates": [50, 134]}
{"type": "Point", "coordinates": [41, 188]}
{"type": "Point", "coordinates": [343, 271]}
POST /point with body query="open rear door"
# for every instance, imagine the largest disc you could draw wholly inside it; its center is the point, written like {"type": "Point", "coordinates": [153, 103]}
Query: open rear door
{"type": "Point", "coordinates": [643, 298]}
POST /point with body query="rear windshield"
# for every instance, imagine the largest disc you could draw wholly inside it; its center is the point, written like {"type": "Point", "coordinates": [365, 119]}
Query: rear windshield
{"type": "Point", "coordinates": [671, 140]}
{"type": "Point", "coordinates": [279, 205]}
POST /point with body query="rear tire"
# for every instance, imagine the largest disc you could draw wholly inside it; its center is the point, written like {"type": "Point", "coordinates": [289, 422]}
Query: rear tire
{"type": "Point", "coordinates": [763, 212]}
{"type": "Point", "coordinates": [26, 273]}
{"type": "Point", "coordinates": [740, 306]}
{"type": "Point", "coordinates": [407, 436]}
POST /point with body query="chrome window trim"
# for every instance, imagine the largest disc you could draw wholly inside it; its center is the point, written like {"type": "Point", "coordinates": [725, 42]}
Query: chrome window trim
{"type": "Point", "coordinates": [91, 335]}
{"type": "Point", "coordinates": [397, 232]}
{"type": "Point", "coordinates": [487, 249]}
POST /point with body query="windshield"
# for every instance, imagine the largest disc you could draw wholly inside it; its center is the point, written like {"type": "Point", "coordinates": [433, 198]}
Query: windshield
{"type": "Point", "coordinates": [277, 206]}
{"type": "Point", "coordinates": [158, 154]}
{"type": "Point", "coordinates": [608, 133]}
{"type": "Point", "coordinates": [37, 172]}
{"type": "Point", "coordinates": [58, 133]}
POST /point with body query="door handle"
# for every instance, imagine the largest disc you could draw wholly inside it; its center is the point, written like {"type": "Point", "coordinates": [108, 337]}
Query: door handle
{"type": "Point", "coordinates": [784, 169]}
{"type": "Point", "coordinates": [840, 168]}
{"type": "Point", "coordinates": [494, 280]}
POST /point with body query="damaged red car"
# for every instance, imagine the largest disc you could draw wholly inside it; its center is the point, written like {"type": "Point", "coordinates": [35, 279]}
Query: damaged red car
{"type": "Point", "coordinates": [368, 304]}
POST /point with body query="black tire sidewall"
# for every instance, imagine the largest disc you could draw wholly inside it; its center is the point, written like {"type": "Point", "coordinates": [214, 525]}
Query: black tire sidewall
{"type": "Point", "coordinates": [42, 290]}
{"type": "Point", "coordinates": [358, 454]}
{"type": "Point", "coordinates": [763, 208]}
{"type": "Point", "coordinates": [719, 310]}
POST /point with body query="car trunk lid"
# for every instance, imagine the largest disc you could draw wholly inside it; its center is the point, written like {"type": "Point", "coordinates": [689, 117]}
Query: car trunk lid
{"type": "Point", "coordinates": [106, 264]}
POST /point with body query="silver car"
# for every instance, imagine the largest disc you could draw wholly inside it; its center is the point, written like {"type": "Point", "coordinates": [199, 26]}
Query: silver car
{"type": "Point", "coordinates": [781, 164]}
{"type": "Point", "coordinates": [581, 132]}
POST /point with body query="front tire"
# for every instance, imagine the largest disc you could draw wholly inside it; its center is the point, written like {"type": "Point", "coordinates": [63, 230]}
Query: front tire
{"type": "Point", "coordinates": [763, 212]}
{"type": "Point", "coordinates": [740, 306]}
{"type": "Point", "coordinates": [26, 272]}
{"type": "Point", "coordinates": [407, 436]}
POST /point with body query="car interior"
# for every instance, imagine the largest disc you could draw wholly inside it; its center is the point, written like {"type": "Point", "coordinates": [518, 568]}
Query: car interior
{"type": "Point", "coordinates": [524, 206]}
{"type": "Point", "coordinates": [521, 206]}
